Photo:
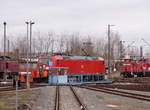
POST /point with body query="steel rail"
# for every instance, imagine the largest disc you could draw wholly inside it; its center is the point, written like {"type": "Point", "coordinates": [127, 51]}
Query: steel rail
{"type": "Point", "coordinates": [57, 95]}
{"type": "Point", "coordinates": [6, 89]}
{"type": "Point", "coordinates": [120, 93]}
{"type": "Point", "coordinates": [81, 105]}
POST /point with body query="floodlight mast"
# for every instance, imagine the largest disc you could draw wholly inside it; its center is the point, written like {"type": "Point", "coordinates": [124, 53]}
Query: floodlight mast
{"type": "Point", "coordinates": [109, 44]}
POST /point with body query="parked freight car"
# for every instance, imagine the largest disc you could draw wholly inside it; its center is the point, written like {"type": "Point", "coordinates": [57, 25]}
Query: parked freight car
{"type": "Point", "coordinates": [8, 67]}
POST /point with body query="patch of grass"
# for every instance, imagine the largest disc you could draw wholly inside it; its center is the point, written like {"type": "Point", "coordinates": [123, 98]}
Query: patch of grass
{"type": "Point", "coordinates": [8, 99]}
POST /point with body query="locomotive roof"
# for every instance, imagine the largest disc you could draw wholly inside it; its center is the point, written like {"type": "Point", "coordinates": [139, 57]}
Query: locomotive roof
{"type": "Point", "coordinates": [82, 58]}
{"type": "Point", "coordinates": [72, 57]}
{"type": "Point", "coordinates": [5, 57]}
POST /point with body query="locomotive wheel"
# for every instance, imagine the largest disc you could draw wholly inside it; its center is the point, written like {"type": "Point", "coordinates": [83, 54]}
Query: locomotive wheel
{"type": "Point", "coordinates": [129, 75]}
{"type": "Point", "coordinates": [122, 75]}
{"type": "Point", "coordinates": [140, 74]}
{"type": "Point", "coordinates": [147, 74]}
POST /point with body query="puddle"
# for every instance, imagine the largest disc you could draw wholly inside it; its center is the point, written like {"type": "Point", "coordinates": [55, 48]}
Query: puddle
{"type": "Point", "coordinates": [113, 106]}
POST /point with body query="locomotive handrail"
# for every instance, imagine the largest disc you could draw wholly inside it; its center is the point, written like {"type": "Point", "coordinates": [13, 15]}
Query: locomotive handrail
{"type": "Point", "coordinates": [58, 67]}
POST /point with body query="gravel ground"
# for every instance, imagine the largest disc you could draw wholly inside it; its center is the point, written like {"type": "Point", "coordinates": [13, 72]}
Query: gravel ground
{"type": "Point", "coordinates": [101, 101]}
{"type": "Point", "coordinates": [68, 102]}
{"type": "Point", "coordinates": [92, 99]}
{"type": "Point", "coordinates": [46, 99]}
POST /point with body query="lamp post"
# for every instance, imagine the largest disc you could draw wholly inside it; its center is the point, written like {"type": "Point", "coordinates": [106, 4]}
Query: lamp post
{"type": "Point", "coordinates": [31, 23]}
{"type": "Point", "coordinates": [109, 49]}
{"type": "Point", "coordinates": [8, 47]}
{"type": "Point", "coordinates": [4, 38]}
{"type": "Point", "coordinates": [5, 76]}
{"type": "Point", "coordinates": [121, 48]}
{"type": "Point", "coordinates": [28, 84]}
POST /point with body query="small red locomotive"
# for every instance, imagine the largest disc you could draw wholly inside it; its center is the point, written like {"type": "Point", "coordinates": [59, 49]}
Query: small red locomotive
{"type": "Point", "coordinates": [36, 72]}
{"type": "Point", "coordinates": [139, 68]}
{"type": "Point", "coordinates": [127, 68]}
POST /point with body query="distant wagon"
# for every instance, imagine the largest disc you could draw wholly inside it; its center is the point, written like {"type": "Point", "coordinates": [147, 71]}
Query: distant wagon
{"type": "Point", "coordinates": [8, 67]}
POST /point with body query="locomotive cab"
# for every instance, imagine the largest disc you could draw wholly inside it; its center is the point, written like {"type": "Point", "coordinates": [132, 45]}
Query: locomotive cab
{"type": "Point", "coordinates": [127, 68]}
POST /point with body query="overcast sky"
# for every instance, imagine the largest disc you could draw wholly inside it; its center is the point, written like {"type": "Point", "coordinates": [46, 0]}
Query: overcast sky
{"type": "Point", "coordinates": [130, 17]}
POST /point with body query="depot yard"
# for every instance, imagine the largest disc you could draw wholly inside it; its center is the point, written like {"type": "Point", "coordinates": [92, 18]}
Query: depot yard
{"type": "Point", "coordinates": [74, 55]}
{"type": "Point", "coordinates": [43, 98]}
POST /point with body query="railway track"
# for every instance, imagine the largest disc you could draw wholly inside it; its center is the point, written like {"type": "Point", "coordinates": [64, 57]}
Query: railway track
{"type": "Point", "coordinates": [75, 95]}
{"type": "Point", "coordinates": [5, 89]}
{"type": "Point", "coordinates": [78, 99]}
{"type": "Point", "coordinates": [127, 86]}
{"type": "Point", "coordinates": [144, 80]}
{"type": "Point", "coordinates": [57, 99]}
{"type": "Point", "coordinates": [120, 93]}
{"type": "Point", "coordinates": [10, 88]}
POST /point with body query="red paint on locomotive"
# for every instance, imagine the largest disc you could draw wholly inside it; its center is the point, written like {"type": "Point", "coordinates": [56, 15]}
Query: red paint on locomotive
{"type": "Point", "coordinates": [79, 64]}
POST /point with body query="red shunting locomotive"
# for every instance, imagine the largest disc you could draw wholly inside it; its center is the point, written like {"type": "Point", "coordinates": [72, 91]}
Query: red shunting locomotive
{"type": "Point", "coordinates": [139, 68]}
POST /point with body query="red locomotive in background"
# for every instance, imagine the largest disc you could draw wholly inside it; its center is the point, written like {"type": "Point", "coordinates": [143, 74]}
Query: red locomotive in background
{"type": "Point", "coordinates": [127, 68]}
{"type": "Point", "coordinates": [9, 68]}
{"type": "Point", "coordinates": [140, 68]}
{"type": "Point", "coordinates": [36, 72]}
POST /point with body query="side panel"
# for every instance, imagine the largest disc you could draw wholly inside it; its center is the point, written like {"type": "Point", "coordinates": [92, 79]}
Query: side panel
{"type": "Point", "coordinates": [82, 66]}
{"type": "Point", "coordinates": [12, 66]}
{"type": "Point", "coordinates": [62, 79]}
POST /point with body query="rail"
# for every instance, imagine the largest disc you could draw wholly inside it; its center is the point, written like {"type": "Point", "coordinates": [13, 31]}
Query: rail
{"type": "Point", "coordinates": [120, 93]}
{"type": "Point", "coordinates": [10, 88]}
{"type": "Point", "coordinates": [57, 96]}
{"type": "Point", "coordinates": [81, 105]}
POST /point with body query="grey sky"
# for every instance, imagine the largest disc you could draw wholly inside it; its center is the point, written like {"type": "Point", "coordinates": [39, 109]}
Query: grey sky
{"type": "Point", "coordinates": [131, 17]}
